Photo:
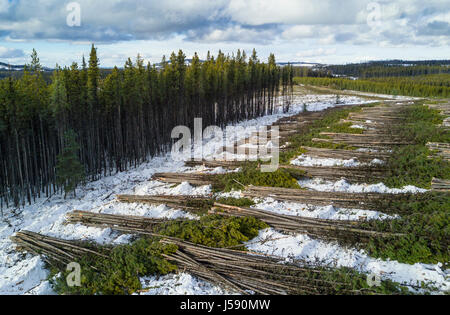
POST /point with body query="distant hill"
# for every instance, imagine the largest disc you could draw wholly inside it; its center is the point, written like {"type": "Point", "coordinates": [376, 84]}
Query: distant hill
{"type": "Point", "coordinates": [8, 67]}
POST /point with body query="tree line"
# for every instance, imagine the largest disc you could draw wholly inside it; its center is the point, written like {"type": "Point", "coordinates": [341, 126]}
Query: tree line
{"type": "Point", "coordinates": [423, 86]}
{"type": "Point", "coordinates": [386, 69]}
{"type": "Point", "coordinates": [118, 121]}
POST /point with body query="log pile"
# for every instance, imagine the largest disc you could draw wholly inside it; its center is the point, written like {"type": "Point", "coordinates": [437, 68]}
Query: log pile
{"type": "Point", "coordinates": [237, 271]}
{"type": "Point", "coordinates": [131, 223]}
{"type": "Point", "coordinates": [364, 140]}
{"type": "Point", "coordinates": [262, 275]}
{"type": "Point", "coordinates": [249, 152]}
{"type": "Point", "coordinates": [444, 108]}
{"type": "Point", "coordinates": [440, 149]}
{"type": "Point", "coordinates": [188, 203]}
{"type": "Point", "coordinates": [367, 201]}
{"type": "Point", "coordinates": [214, 164]}
{"type": "Point", "coordinates": [317, 228]}
{"type": "Point", "coordinates": [352, 174]}
{"type": "Point", "coordinates": [53, 250]}
{"type": "Point", "coordinates": [364, 157]}
{"type": "Point", "coordinates": [440, 185]}
{"type": "Point", "coordinates": [178, 178]}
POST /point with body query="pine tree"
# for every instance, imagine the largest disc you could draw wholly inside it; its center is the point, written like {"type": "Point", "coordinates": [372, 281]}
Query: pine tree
{"type": "Point", "coordinates": [118, 120]}
{"type": "Point", "coordinates": [69, 170]}
{"type": "Point", "coordinates": [35, 62]}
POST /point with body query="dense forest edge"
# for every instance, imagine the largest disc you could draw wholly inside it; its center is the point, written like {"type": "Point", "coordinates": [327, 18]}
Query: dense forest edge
{"type": "Point", "coordinates": [81, 125]}
{"type": "Point", "coordinates": [436, 85]}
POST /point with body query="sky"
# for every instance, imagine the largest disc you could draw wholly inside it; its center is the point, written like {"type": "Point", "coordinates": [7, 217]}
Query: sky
{"type": "Point", "coordinates": [324, 31]}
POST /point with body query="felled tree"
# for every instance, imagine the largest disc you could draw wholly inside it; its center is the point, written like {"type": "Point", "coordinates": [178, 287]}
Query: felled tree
{"type": "Point", "coordinates": [69, 170]}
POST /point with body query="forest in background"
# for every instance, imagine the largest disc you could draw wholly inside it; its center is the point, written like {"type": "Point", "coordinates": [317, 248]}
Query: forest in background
{"type": "Point", "coordinates": [390, 68]}
{"type": "Point", "coordinates": [436, 85]}
{"type": "Point", "coordinates": [120, 120]}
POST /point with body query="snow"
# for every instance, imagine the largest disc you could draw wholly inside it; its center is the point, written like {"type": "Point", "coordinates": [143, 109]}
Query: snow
{"type": "Point", "coordinates": [318, 212]}
{"type": "Point", "coordinates": [142, 210]}
{"type": "Point", "coordinates": [184, 189]}
{"type": "Point", "coordinates": [304, 160]}
{"type": "Point", "coordinates": [24, 274]}
{"type": "Point", "coordinates": [357, 127]}
{"type": "Point", "coordinates": [343, 186]}
{"type": "Point", "coordinates": [304, 249]}
{"type": "Point", "coordinates": [179, 284]}
{"type": "Point", "coordinates": [309, 211]}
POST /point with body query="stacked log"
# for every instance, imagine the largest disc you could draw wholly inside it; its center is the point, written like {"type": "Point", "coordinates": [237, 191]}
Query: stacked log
{"type": "Point", "coordinates": [352, 174]}
{"type": "Point", "coordinates": [188, 203]}
{"type": "Point", "coordinates": [367, 201]}
{"type": "Point", "coordinates": [441, 149]}
{"type": "Point", "coordinates": [262, 275]}
{"type": "Point", "coordinates": [178, 178]}
{"type": "Point", "coordinates": [52, 249]}
{"type": "Point", "coordinates": [216, 163]}
{"type": "Point", "coordinates": [317, 228]}
{"type": "Point", "coordinates": [240, 272]}
{"type": "Point", "coordinates": [444, 108]}
{"type": "Point", "coordinates": [346, 154]}
{"type": "Point", "coordinates": [440, 185]}
{"type": "Point", "coordinates": [139, 224]}
{"type": "Point", "coordinates": [365, 139]}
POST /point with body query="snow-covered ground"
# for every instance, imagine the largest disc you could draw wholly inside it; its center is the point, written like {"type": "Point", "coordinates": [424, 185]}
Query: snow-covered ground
{"type": "Point", "coordinates": [343, 186]}
{"type": "Point", "coordinates": [319, 212]}
{"type": "Point", "coordinates": [303, 248]}
{"type": "Point", "coordinates": [309, 211]}
{"type": "Point", "coordinates": [25, 274]}
{"type": "Point", "coordinates": [305, 160]}
{"type": "Point", "coordinates": [180, 284]}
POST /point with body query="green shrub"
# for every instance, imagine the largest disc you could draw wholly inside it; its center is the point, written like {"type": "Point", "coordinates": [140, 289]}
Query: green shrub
{"type": "Point", "coordinates": [215, 231]}
{"type": "Point", "coordinates": [252, 175]}
{"type": "Point", "coordinates": [329, 123]}
{"type": "Point", "coordinates": [425, 220]}
{"type": "Point", "coordinates": [411, 164]}
{"type": "Point", "coordinates": [241, 202]}
{"type": "Point", "coordinates": [119, 273]}
{"type": "Point", "coordinates": [344, 128]}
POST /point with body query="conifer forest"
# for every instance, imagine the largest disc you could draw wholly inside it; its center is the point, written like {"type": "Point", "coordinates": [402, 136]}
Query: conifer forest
{"type": "Point", "coordinates": [122, 119]}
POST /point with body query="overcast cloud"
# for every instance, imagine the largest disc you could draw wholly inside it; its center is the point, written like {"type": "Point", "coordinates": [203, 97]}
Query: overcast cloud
{"type": "Point", "coordinates": [290, 28]}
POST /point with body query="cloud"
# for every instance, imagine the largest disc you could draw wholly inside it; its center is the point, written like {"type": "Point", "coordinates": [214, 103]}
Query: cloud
{"type": "Point", "coordinates": [316, 53]}
{"type": "Point", "coordinates": [294, 12]}
{"type": "Point", "coordinates": [330, 22]}
{"type": "Point", "coordinates": [4, 6]}
{"type": "Point", "coordinates": [108, 21]}
{"type": "Point", "coordinates": [8, 53]}
{"type": "Point", "coordinates": [436, 28]}
{"type": "Point", "coordinates": [236, 33]}
{"type": "Point", "coordinates": [299, 31]}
